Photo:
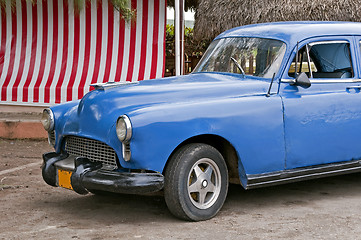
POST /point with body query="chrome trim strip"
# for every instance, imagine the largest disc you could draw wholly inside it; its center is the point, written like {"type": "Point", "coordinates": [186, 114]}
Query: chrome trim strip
{"type": "Point", "coordinates": [309, 61]}
{"type": "Point", "coordinates": [126, 151]}
{"type": "Point", "coordinates": [288, 81]}
{"type": "Point", "coordinates": [325, 81]}
{"type": "Point", "coordinates": [107, 85]}
{"type": "Point", "coordinates": [336, 81]}
{"type": "Point", "coordinates": [327, 42]}
{"type": "Point", "coordinates": [299, 174]}
{"type": "Point", "coordinates": [51, 138]}
{"type": "Point", "coordinates": [128, 125]}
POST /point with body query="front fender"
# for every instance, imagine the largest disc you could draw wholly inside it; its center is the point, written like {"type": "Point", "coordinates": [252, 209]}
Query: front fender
{"type": "Point", "coordinates": [253, 125]}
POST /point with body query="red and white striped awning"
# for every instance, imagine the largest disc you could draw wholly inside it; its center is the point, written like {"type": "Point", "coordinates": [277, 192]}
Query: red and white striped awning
{"type": "Point", "coordinates": [50, 53]}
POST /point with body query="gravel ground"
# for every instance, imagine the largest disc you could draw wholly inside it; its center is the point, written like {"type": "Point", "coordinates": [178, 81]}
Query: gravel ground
{"type": "Point", "coordinates": [327, 208]}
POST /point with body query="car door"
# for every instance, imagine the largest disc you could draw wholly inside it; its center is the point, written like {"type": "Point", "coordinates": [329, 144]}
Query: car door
{"type": "Point", "coordinates": [322, 123]}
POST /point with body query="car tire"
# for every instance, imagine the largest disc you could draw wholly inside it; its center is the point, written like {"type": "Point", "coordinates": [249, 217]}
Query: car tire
{"type": "Point", "coordinates": [196, 182]}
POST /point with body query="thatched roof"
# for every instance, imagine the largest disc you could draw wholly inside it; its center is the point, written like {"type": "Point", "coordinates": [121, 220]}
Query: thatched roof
{"type": "Point", "coordinates": [216, 16]}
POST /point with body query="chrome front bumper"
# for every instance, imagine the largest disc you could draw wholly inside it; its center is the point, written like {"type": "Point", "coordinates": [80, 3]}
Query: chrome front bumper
{"type": "Point", "coordinates": [87, 176]}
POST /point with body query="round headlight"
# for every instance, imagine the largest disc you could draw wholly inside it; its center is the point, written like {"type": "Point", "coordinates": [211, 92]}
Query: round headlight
{"type": "Point", "coordinates": [48, 119]}
{"type": "Point", "coordinates": [124, 128]}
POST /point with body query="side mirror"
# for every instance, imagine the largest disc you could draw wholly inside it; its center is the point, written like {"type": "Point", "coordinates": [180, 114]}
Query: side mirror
{"type": "Point", "coordinates": [302, 80]}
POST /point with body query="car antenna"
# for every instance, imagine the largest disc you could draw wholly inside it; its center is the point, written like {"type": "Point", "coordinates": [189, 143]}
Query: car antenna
{"type": "Point", "coordinates": [270, 86]}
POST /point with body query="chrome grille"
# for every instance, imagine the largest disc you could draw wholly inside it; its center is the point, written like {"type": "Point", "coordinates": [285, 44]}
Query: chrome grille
{"type": "Point", "coordinates": [51, 137]}
{"type": "Point", "coordinates": [95, 151]}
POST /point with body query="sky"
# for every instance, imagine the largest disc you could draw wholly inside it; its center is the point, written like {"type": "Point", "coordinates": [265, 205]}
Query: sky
{"type": "Point", "coordinates": [187, 16]}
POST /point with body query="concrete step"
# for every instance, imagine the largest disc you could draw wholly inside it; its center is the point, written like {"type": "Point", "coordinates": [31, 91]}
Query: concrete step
{"type": "Point", "coordinates": [21, 122]}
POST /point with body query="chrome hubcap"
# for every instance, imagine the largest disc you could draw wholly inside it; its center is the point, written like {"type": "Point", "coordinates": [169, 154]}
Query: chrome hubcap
{"type": "Point", "coordinates": [204, 183]}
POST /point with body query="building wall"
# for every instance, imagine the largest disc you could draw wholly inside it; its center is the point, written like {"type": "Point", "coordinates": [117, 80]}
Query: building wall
{"type": "Point", "coordinates": [50, 53]}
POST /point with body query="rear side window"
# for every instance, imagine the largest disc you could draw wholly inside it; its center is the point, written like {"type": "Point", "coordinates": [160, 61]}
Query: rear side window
{"type": "Point", "coordinates": [324, 60]}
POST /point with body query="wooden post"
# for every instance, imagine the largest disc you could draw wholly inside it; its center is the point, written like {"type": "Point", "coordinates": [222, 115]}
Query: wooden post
{"type": "Point", "coordinates": [179, 36]}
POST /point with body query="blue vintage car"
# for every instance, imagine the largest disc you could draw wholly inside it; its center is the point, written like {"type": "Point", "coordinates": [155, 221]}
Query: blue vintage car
{"type": "Point", "coordinates": [267, 104]}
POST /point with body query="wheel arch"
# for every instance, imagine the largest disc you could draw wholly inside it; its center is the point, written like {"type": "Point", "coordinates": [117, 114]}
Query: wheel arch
{"type": "Point", "coordinates": [226, 149]}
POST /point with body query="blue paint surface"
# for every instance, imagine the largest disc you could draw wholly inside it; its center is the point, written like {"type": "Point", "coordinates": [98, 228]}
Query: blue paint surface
{"type": "Point", "coordinates": [292, 128]}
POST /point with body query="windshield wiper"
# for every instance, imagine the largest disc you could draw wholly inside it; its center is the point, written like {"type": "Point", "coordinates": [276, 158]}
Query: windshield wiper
{"type": "Point", "coordinates": [239, 66]}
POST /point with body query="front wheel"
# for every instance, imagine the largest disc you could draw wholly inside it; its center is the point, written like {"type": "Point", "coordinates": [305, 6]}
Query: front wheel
{"type": "Point", "coordinates": [196, 182]}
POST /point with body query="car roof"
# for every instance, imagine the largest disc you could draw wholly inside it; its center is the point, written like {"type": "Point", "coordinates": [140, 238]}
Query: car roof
{"type": "Point", "coordinates": [291, 32]}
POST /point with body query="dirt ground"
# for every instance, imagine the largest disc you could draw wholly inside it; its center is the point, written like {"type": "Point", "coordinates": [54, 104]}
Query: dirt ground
{"type": "Point", "coordinates": [329, 208]}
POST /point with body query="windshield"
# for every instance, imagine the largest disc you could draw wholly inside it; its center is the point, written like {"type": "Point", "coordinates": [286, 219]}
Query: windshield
{"type": "Point", "coordinates": [250, 56]}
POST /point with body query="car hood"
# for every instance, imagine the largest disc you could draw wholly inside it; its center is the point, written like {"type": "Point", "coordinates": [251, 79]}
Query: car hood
{"type": "Point", "coordinates": [102, 107]}
{"type": "Point", "coordinates": [189, 88]}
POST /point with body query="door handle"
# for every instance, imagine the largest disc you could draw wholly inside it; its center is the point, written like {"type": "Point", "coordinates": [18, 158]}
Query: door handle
{"type": "Point", "coordinates": [356, 88]}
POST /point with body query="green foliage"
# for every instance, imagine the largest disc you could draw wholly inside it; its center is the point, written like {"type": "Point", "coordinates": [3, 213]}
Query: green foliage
{"type": "Point", "coordinates": [12, 4]}
{"type": "Point", "coordinates": [121, 5]}
{"type": "Point", "coordinates": [191, 46]}
{"type": "Point", "coordinates": [78, 5]}
{"type": "Point", "coordinates": [3, 3]}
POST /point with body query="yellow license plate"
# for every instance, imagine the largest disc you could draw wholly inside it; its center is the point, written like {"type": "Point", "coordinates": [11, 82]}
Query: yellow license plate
{"type": "Point", "coordinates": [64, 179]}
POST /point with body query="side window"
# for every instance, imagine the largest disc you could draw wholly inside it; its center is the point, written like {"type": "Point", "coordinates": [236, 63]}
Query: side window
{"type": "Point", "coordinates": [303, 65]}
{"type": "Point", "coordinates": [324, 60]}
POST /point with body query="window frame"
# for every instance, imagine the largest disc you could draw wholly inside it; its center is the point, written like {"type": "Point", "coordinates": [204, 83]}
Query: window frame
{"type": "Point", "coordinates": [281, 64]}
{"type": "Point", "coordinates": [322, 40]}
